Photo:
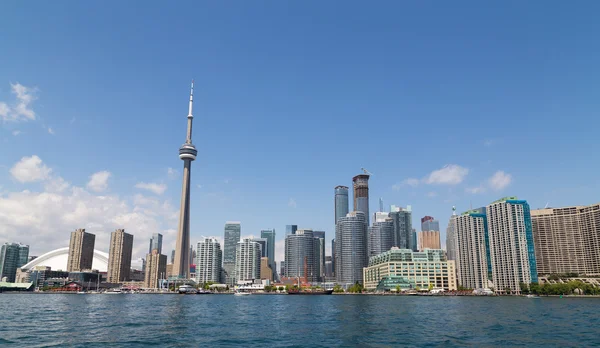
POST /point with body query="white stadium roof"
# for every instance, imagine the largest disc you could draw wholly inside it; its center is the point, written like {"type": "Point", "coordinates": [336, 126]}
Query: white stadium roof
{"type": "Point", "coordinates": [57, 260]}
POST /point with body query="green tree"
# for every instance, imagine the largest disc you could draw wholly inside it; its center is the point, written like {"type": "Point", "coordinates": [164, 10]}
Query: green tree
{"type": "Point", "coordinates": [508, 291]}
{"type": "Point", "coordinates": [524, 288]}
{"type": "Point", "coordinates": [430, 287]}
{"type": "Point", "coordinates": [398, 289]}
{"type": "Point", "coordinates": [337, 288]}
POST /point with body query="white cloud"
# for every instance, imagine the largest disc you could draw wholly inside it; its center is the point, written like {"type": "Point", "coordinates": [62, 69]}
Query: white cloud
{"type": "Point", "coordinates": [50, 130]}
{"type": "Point", "coordinates": [99, 181]}
{"type": "Point", "coordinates": [475, 190]}
{"type": "Point", "coordinates": [16, 132]}
{"type": "Point", "coordinates": [158, 189]}
{"type": "Point", "coordinates": [44, 219]}
{"type": "Point", "coordinates": [292, 203]}
{"type": "Point", "coordinates": [406, 182]}
{"type": "Point", "coordinates": [431, 194]}
{"type": "Point", "coordinates": [172, 173]}
{"type": "Point", "coordinates": [499, 180]}
{"type": "Point", "coordinates": [451, 174]}
{"type": "Point", "coordinates": [20, 108]}
{"type": "Point", "coordinates": [30, 169]}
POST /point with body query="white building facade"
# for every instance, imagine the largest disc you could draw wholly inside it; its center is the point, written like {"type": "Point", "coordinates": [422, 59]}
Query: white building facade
{"type": "Point", "coordinates": [209, 257]}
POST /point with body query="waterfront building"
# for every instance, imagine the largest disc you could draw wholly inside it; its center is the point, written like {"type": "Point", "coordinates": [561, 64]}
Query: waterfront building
{"type": "Point", "coordinates": [320, 252]}
{"type": "Point", "coordinates": [567, 240]}
{"type": "Point", "coordinates": [187, 153]}
{"type": "Point", "coordinates": [451, 238]}
{"type": "Point", "coordinates": [428, 223]}
{"type": "Point", "coordinates": [209, 258]}
{"type": "Point", "coordinates": [473, 264]}
{"type": "Point", "coordinates": [512, 252]}
{"type": "Point", "coordinates": [410, 270]}
{"type": "Point", "coordinates": [360, 184]}
{"type": "Point", "coordinates": [156, 243]}
{"type": "Point", "coordinates": [341, 202]}
{"type": "Point", "coordinates": [402, 222]}
{"type": "Point", "coordinates": [81, 251]}
{"type": "Point", "coordinates": [351, 250]}
{"type": "Point", "coordinates": [156, 269]}
{"type": "Point", "coordinates": [233, 231]}
{"type": "Point", "coordinates": [429, 240]}
{"type": "Point", "coordinates": [302, 256]}
{"type": "Point", "coordinates": [381, 237]}
{"type": "Point", "coordinates": [333, 256]}
{"type": "Point", "coordinates": [40, 275]}
{"type": "Point", "coordinates": [247, 260]}
{"type": "Point", "coordinates": [290, 229]}
{"type": "Point", "coordinates": [270, 236]}
{"type": "Point", "coordinates": [12, 257]}
{"type": "Point", "coordinates": [265, 269]}
{"type": "Point", "coordinates": [119, 256]}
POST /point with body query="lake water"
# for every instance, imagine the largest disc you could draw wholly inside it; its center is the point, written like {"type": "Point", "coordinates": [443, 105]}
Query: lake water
{"type": "Point", "coordinates": [44, 320]}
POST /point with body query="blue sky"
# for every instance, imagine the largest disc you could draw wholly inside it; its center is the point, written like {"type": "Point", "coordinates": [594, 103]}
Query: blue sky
{"type": "Point", "coordinates": [455, 103]}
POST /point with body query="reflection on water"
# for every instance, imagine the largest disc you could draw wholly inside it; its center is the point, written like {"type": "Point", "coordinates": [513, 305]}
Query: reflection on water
{"type": "Point", "coordinates": [279, 320]}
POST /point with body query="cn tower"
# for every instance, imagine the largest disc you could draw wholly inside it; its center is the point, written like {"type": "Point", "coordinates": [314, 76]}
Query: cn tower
{"type": "Point", "coordinates": [187, 152]}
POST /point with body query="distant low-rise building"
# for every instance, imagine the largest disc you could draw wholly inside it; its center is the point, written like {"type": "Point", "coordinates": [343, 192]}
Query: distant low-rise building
{"type": "Point", "coordinates": [410, 270]}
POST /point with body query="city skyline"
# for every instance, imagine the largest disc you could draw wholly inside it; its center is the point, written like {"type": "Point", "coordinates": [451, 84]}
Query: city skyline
{"type": "Point", "coordinates": [255, 133]}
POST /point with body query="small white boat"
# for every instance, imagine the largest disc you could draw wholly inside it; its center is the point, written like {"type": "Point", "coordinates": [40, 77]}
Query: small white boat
{"type": "Point", "coordinates": [187, 289]}
{"type": "Point", "coordinates": [532, 296]}
{"type": "Point", "coordinates": [81, 292]}
{"type": "Point", "coordinates": [114, 292]}
{"type": "Point", "coordinates": [239, 293]}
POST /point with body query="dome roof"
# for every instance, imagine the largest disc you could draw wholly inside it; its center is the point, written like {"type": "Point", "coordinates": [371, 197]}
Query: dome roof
{"type": "Point", "coordinates": [57, 260]}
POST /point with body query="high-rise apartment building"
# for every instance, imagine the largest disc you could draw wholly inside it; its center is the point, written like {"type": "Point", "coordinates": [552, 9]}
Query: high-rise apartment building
{"type": "Point", "coordinates": [209, 258]}
{"type": "Point", "coordinates": [290, 229]}
{"type": "Point", "coordinates": [265, 270]}
{"type": "Point", "coordinates": [328, 267]}
{"type": "Point", "coordinates": [341, 202]}
{"type": "Point", "coordinates": [233, 230]}
{"type": "Point", "coordinates": [302, 255]}
{"type": "Point", "coordinates": [512, 252]}
{"type": "Point", "coordinates": [282, 268]}
{"type": "Point", "coordinates": [119, 256]}
{"type": "Point", "coordinates": [12, 256]}
{"type": "Point", "coordinates": [156, 243]}
{"type": "Point", "coordinates": [473, 265]}
{"type": "Point", "coordinates": [381, 237]}
{"type": "Point", "coordinates": [451, 238]}
{"type": "Point", "coordinates": [567, 240]}
{"type": "Point", "coordinates": [262, 242]}
{"type": "Point", "coordinates": [247, 260]}
{"type": "Point", "coordinates": [402, 221]}
{"type": "Point", "coordinates": [428, 223]}
{"type": "Point", "coordinates": [270, 236]}
{"type": "Point", "coordinates": [320, 252]}
{"type": "Point", "coordinates": [360, 184]}
{"type": "Point", "coordinates": [156, 268]}
{"type": "Point", "coordinates": [351, 249]}
{"type": "Point", "coordinates": [81, 251]}
{"type": "Point", "coordinates": [333, 256]}
{"type": "Point", "coordinates": [429, 239]}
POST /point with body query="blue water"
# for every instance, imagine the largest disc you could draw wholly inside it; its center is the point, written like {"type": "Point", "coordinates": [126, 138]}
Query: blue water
{"type": "Point", "coordinates": [45, 320]}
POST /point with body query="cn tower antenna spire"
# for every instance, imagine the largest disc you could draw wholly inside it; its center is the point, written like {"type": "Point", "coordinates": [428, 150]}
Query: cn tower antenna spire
{"type": "Point", "coordinates": [190, 116]}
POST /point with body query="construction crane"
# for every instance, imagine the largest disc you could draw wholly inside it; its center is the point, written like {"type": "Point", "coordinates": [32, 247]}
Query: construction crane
{"type": "Point", "coordinates": [366, 171]}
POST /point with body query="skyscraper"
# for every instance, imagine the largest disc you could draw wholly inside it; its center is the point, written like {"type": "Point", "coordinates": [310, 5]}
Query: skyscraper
{"type": "Point", "coordinates": [413, 242]}
{"type": "Point", "coordinates": [262, 242]}
{"type": "Point", "coordinates": [290, 229]}
{"type": "Point", "coordinates": [320, 252]}
{"type": "Point", "coordinates": [208, 261]}
{"type": "Point", "coordinates": [155, 243]}
{"type": "Point", "coordinates": [511, 244]}
{"type": "Point", "coordinates": [270, 236]}
{"type": "Point", "coordinates": [351, 248]}
{"type": "Point", "coordinates": [301, 255]}
{"type": "Point", "coordinates": [428, 223]}
{"type": "Point", "coordinates": [233, 230]}
{"type": "Point", "coordinates": [451, 238]}
{"type": "Point", "coordinates": [341, 202]}
{"type": "Point", "coordinates": [402, 221]}
{"type": "Point", "coordinates": [81, 251]}
{"type": "Point", "coordinates": [119, 256]}
{"type": "Point", "coordinates": [247, 260]}
{"type": "Point", "coordinates": [381, 237]}
{"type": "Point", "coordinates": [360, 184]}
{"type": "Point", "coordinates": [12, 256]}
{"type": "Point", "coordinates": [156, 268]}
{"type": "Point", "coordinates": [429, 240]}
{"type": "Point", "coordinates": [333, 256]}
{"type": "Point", "coordinates": [473, 266]}
{"type": "Point", "coordinates": [187, 153]}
